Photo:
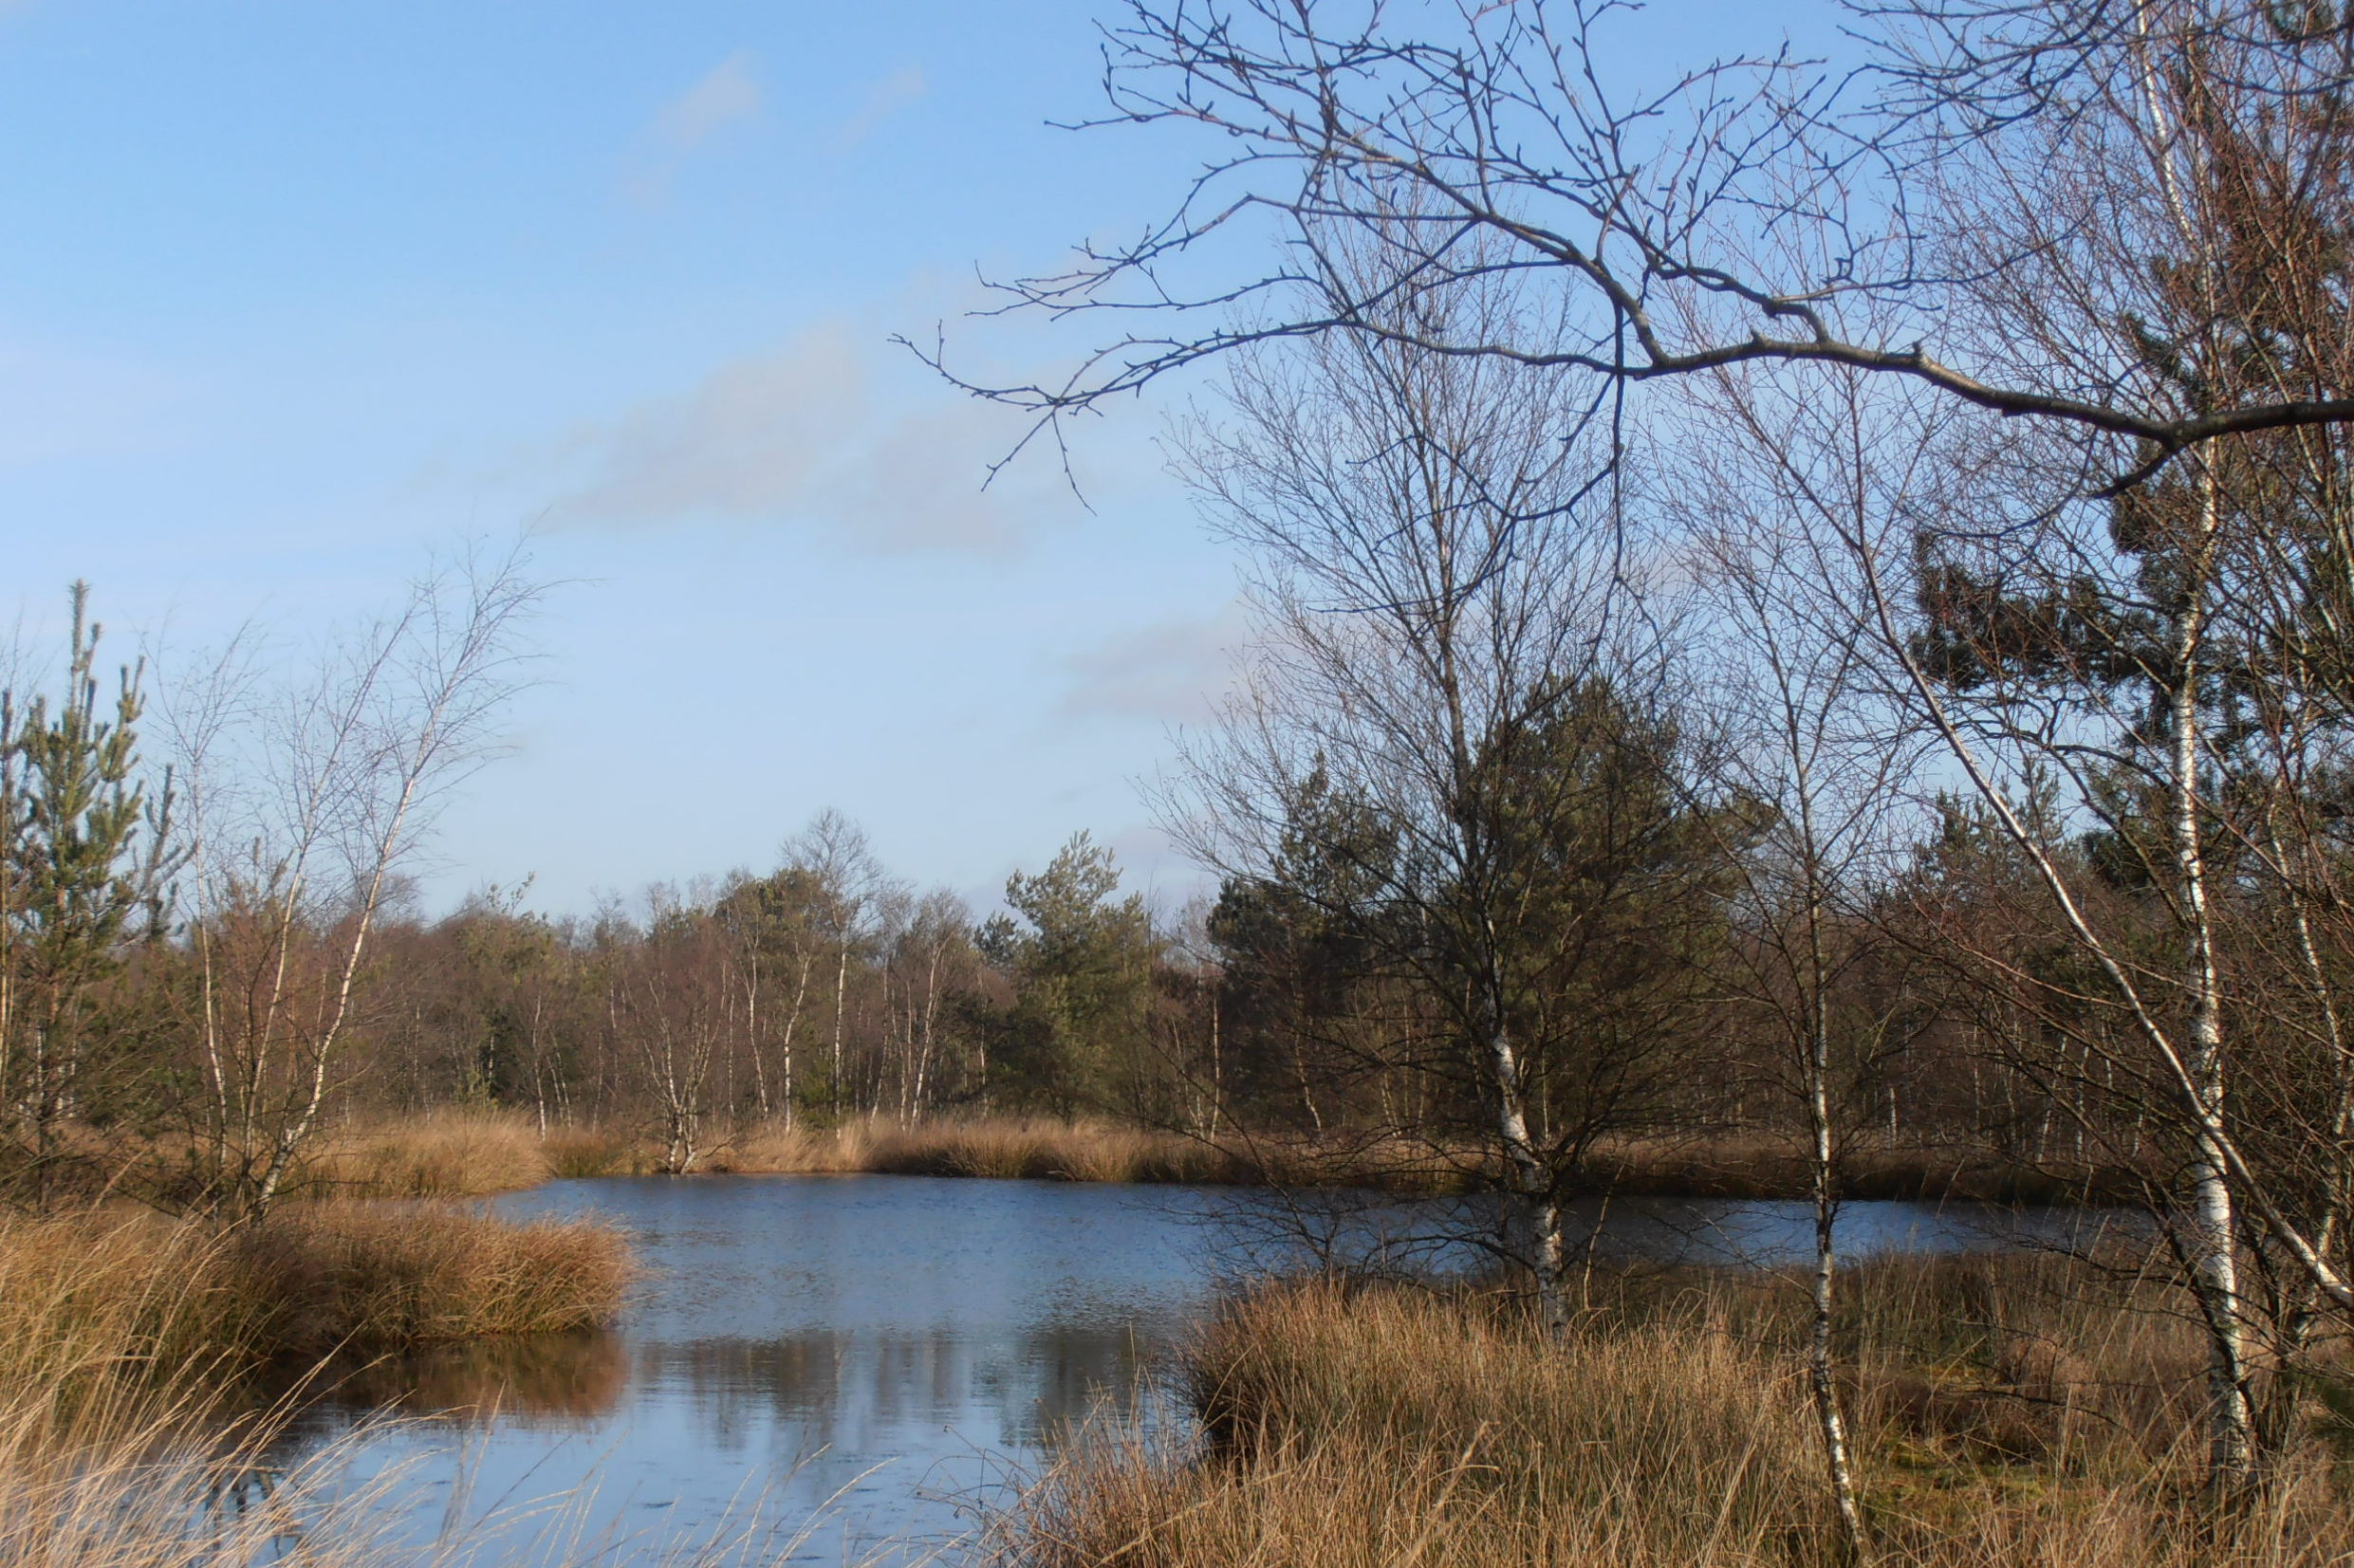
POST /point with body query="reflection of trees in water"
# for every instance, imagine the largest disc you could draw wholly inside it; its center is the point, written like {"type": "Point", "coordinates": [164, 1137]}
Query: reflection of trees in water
{"type": "Point", "coordinates": [528, 1381]}
{"type": "Point", "coordinates": [839, 1387]}
{"type": "Point", "coordinates": [1371, 1234]}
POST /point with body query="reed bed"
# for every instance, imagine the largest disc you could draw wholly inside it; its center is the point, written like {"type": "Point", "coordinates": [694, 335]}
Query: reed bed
{"type": "Point", "coordinates": [442, 1154]}
{"type": "Point", "coordinates": [1015, 1148]}
{"type": "Point", "coordinates": [128, 1438]}
{"type": "Point", "coordinates": [2014, 1413]}
{"type": "Point", "coordinates": [371, 1276]}
{"type": "Point", "coordinates": [96, 1299]}
{"type": "Point", "coordinates": [452, 1155]}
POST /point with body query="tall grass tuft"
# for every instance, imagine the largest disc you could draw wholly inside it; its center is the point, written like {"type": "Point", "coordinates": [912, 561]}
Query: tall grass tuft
{"type": "Point", "coordinates": [1380, 1428]}
{"type": "Point", "coordinates": [1024, 1148]}
{"type": "Point", "coordinates": [444, 1154]}
{"type": "Point", "coordinates": [125, 1339]}
{"type": "Point", "coordinates": [2007, 1412]}
{"type": "Point", "coordinates": [97, 1300]}
{"type": "Point", "coordinates": [373, 1276]}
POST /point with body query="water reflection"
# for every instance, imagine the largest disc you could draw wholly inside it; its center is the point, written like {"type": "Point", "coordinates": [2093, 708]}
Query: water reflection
{"type": "Point", "coordinates": [553, 1380]}
{"type": "Point", "coordinates": [887, 1347]}
{"type": "Point", "coordinates": [841, 1388]}
{"type": "Point", "coordinates": [1368, 1233]}
{"type": "Point", "coordinates": [883, 1347]}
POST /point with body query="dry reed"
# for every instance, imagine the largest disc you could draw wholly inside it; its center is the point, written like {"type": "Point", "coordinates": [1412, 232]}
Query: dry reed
{"type": "Point", "coordinates": [124, 1336]}
{"type": "Point", "coordinates": [1013, 1148]}
{"type": "Point", "coordinates": [372, 1277]}
{"type": "Point", "coordinates": [98, 1298]}
{"type": "Point", "coordinates": [2010, 1412]}
{"type": "Point", "coordinates": [120, 1334]}
{"type": "Point", "coordinates": [443, 1154]}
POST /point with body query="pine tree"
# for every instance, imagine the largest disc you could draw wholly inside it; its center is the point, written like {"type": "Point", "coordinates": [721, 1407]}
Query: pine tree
{"type": "Point", "coordinates": [88, 862]}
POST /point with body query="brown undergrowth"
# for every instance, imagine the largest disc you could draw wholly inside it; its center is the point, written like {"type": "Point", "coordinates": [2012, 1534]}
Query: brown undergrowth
{"type": "Point", "coordinates": [1025, 1148]}
{"type": "Point", "coordinates": [95, 1299]}
{"type": "Point", "coordinates": [461, 1153]}
{"type": "Point", "coordinates": [454, 1154]}
{"type": "Point", "coordinates": [2018, 1412]}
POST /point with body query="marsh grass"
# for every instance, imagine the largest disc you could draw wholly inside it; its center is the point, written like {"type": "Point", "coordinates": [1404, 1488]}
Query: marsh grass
{"type": "Point", "coordinates": [372, 1277]}
{"type": "Point", "coordinates": [466, 1153]}
{"type": "Point", "coordinates": [454, 1153]}
{"type": "Point", "coordinates": [132, 1437]}
{"type": "Point", "coordinates": [1012, 1148]}
{"type": "Point", "coordinates": [131, 1431]}
{"type": "Point", "coordinates": [2010, 1412]}
{"type": "Point", "coordinates": [99, 1301]}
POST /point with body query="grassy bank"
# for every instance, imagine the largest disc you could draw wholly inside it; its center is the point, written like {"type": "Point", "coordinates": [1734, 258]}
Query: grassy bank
{"type": "Point", "coordinates": [110, 1296]}
{"type": "Point", "coordinates": [2017, 1413]}
{"type": "Point", "coordinates": [127, 1341]}
{"type": "Point", "coordinates": [457, 1154]}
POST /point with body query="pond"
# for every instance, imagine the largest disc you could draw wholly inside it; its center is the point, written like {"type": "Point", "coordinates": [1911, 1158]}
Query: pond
{"type": "Point", "coordinates": [878, 1353]}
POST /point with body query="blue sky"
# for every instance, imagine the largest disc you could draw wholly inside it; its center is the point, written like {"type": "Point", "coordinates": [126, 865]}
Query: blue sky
{"type": "Point", "coordinates": [292, 293]}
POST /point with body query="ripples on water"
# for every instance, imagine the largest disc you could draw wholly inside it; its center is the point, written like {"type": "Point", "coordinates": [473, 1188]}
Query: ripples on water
{"type": "Point", "coordinates": [891, 1349]}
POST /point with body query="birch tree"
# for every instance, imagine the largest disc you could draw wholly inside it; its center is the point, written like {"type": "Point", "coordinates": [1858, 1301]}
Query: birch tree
{"type": "Point", "coordinates": [1450, 643]}
{"type": "Point", "coordinates": [311, 809]}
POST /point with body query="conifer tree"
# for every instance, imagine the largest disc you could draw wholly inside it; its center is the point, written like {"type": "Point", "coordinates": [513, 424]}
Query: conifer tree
{"type": "Point", "coordinates": [87, 865]}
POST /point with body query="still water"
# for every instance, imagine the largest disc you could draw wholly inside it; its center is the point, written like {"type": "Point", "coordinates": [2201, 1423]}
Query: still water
{"type": "Point", "coordinates": [880, 1353]}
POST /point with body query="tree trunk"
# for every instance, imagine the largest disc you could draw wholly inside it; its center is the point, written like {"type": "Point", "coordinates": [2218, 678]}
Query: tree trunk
{"type": "Point", "coordinates": [2213, 1233]}
{"type": "Point", "coordinates": [1820, 1377]}
{"type": "Point", "coordinates": [1548, 1259]}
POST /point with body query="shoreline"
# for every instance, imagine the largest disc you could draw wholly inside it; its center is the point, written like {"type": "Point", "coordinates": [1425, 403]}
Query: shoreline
{"type": "Point", "coordinates": [478, 1155]}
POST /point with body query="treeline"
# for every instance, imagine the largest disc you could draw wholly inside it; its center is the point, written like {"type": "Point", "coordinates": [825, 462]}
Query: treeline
{"type": "Point", "coordinates": [822, 990]}
{"type": "Point", "coordinates": [181, 1026]}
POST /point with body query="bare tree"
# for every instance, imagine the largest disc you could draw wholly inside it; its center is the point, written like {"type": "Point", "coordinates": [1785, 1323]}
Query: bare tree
{"type": "Point", "coordinates": [936, 949]}
{"type": "Point", "coordinates": [669, 1008]}
{"type": "Point", "coordinates": [2098, 237]}
{"type": "Point", "coordinates": [1454, 716]}
{"type": "Point", "coordinates": [303, 825]}
{"type": "Point", "coordinates": [1812, 742]}
{"type": "Point", "coordinates": [834, 851]}
{"type": "Point", "coordinates": [1762, 210]}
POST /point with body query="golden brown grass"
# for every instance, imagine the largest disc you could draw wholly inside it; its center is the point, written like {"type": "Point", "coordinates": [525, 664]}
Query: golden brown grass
{"type": "Point", "coordinates": [95, 1299]}
{"type": "Point", "coordinates": [465, 1153]}
{"type": "Point", "coordinates": [1021, 1148]}
{"type": "Point", "coordinates": [120, 1334]}
{"type": "Point", "coordinates": [2005, 1415]}
{"type": "Point", "coordinates": [1380, 1428]}
{"type": "Point", "coordinates": [124, 1336]}
{"type": "Point", "coordinates": [128, 1486]}
{"type": "Point", "coordinates": [372, 1276]}
{"type": "Point", "coordinates": [445, 1154]}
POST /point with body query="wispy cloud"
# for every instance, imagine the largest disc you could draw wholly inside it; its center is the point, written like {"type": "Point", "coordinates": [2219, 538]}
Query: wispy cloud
{"type": "Point", "coordinates": [883, 99]}
{"type": "Point", "coordinates": [728, 94]}
{"type": "Point", "coordinates": [805, 436]}
{"type": "Point", "coordinates": [1173, 670]}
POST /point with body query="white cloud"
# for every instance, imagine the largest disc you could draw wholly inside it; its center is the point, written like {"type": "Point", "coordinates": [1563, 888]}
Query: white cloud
{"type": "Point", "coordinates": [727, 94]}
{"type": "Point", "coordinates": [1173, 670]}
{"type": "Point", "coordinates": [883, 99]}
{"type": "Point", "coordinates": [806, 436]}
{"type": "Point", "coordinates": [725, 97]}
